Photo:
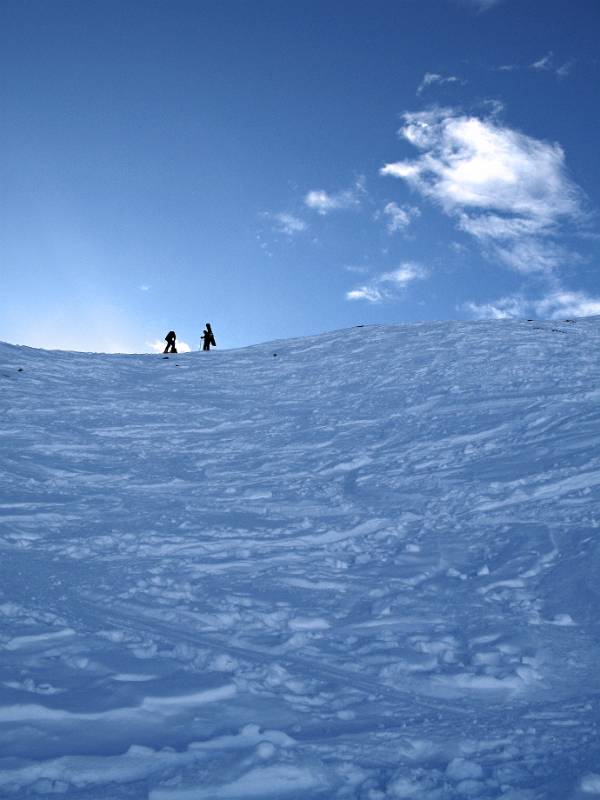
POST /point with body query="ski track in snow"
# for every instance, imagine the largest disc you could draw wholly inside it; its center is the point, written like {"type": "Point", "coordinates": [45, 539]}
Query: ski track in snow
{"type": "Point", "coordinates": [364, 568]}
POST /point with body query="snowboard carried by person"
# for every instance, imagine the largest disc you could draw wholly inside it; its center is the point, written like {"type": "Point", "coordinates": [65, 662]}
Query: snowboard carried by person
{"type": "Point", "coordinates": [208, 338]}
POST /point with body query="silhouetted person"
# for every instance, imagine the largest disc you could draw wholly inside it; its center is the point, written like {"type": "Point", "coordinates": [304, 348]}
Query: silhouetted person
{"type": "Point", "coordinates": [208, 338]}
{"type": "Point", "coordinates": [170, 340]}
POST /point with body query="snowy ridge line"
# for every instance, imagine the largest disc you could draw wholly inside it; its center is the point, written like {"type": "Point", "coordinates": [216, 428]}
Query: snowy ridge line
{"type": "Point", "coordinates": [174, 634]}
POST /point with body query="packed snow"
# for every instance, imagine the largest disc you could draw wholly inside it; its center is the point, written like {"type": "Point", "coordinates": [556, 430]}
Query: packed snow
{"type": "Point", "coordinates": [357, 565]}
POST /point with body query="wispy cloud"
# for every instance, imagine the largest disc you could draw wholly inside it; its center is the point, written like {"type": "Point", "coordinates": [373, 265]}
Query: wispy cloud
{"type": "Point", "coordinates": [565, 69]}
{"type": "Point", "coordinates": [509, 191]}
{"type": "Point", "coordinates": [546, 63]}
{"type": "Point", "coordinates": [511, 307]}
{"type": "Point", "coordinates": [286, 223]}
{"type": "Point", "coordinates": [481, 5]}
{"type": "Point", "coordinates": [433, 78]}
{"type": "Point", "coordinates": [568, 304]}
{"type": "Point", "coordinates": [558, 304]}
{"type": "Point", "coordinates": [370, 293]}
{"type": "Point", "coordinates": [324, 203]}
{"type": "Point", "coordinates": [525, 245]}
{"type": "Point", "coordinates": [388, 285]}
{"type": "Point", "coordinates": [400, 218]}
{"type": "Point", "coordinates": [356, 269]}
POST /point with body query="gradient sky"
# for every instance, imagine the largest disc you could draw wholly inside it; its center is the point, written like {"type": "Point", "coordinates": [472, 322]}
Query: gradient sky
{"type": "Point", "coordinates": [283, 168]}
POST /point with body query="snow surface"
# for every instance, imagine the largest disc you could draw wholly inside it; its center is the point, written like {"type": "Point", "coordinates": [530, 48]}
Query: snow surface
{"type": "Point", "coordinates": [358, 565]}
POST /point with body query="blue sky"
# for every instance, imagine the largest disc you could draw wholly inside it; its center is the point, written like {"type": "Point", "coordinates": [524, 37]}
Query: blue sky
{"type": "Point", "coordinates": [284, 168]}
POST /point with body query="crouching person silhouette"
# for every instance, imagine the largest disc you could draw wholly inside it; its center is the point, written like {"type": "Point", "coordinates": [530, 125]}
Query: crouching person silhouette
{"type": "Point", "coordinates": [170, 339]}
{"type": "Point", "coordinates": [208, 338]}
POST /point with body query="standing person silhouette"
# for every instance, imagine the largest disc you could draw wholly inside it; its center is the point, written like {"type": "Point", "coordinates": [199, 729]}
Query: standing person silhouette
{"type": "Point", "coordinates": [170, 339]}
{"type": "Point", "coordinates": [208, 337]}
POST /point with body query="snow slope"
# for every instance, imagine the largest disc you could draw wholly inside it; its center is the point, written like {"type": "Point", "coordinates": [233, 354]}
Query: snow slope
{"type": "Point", "coordinates": [359, 565]}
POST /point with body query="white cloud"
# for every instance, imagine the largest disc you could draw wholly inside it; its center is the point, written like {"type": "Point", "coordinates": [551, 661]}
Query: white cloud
{"type": "Point", "coordinates": [370, 293]}
{"type": "Point", "coordinates": [404, 274]}
{"type": "Point", "coordinates": [400, 218]}
{"type": "Point", "coordinates": [388, 285]}
{"type": "Point", "coordinates": [286, 223]}
{"type": "Point", "coordinates": [494, 226]}
{"type": "Point", "coordinates": [565, 69]}
{"type": "Point", "coordinates": [504, 308]}
{"type": "Point", "coordinates": [432, 77]}
{"type": "Point", "coordinates": [568, 304]}
{"type": "Point", "coordinates": [158, 346]}
{"type": "Point", "coordinates": [471, 162]}
{"type": "Point", "coordinates": [508, 190]}
{"type": "Point", "coordinates": [144, 288]}
{"type": "Point", "coordinates": [544, 63]}
{"type": "Point", "coordinates": [290, 224]}
{"type": "Point", "coordinates": [324, 203]}
{"type": "Point", "coordinates": [522, 244]}
{"type": "Point", "coordinates": [559, 304]}
{"type": "Point", "coordinates": [532, 255]}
